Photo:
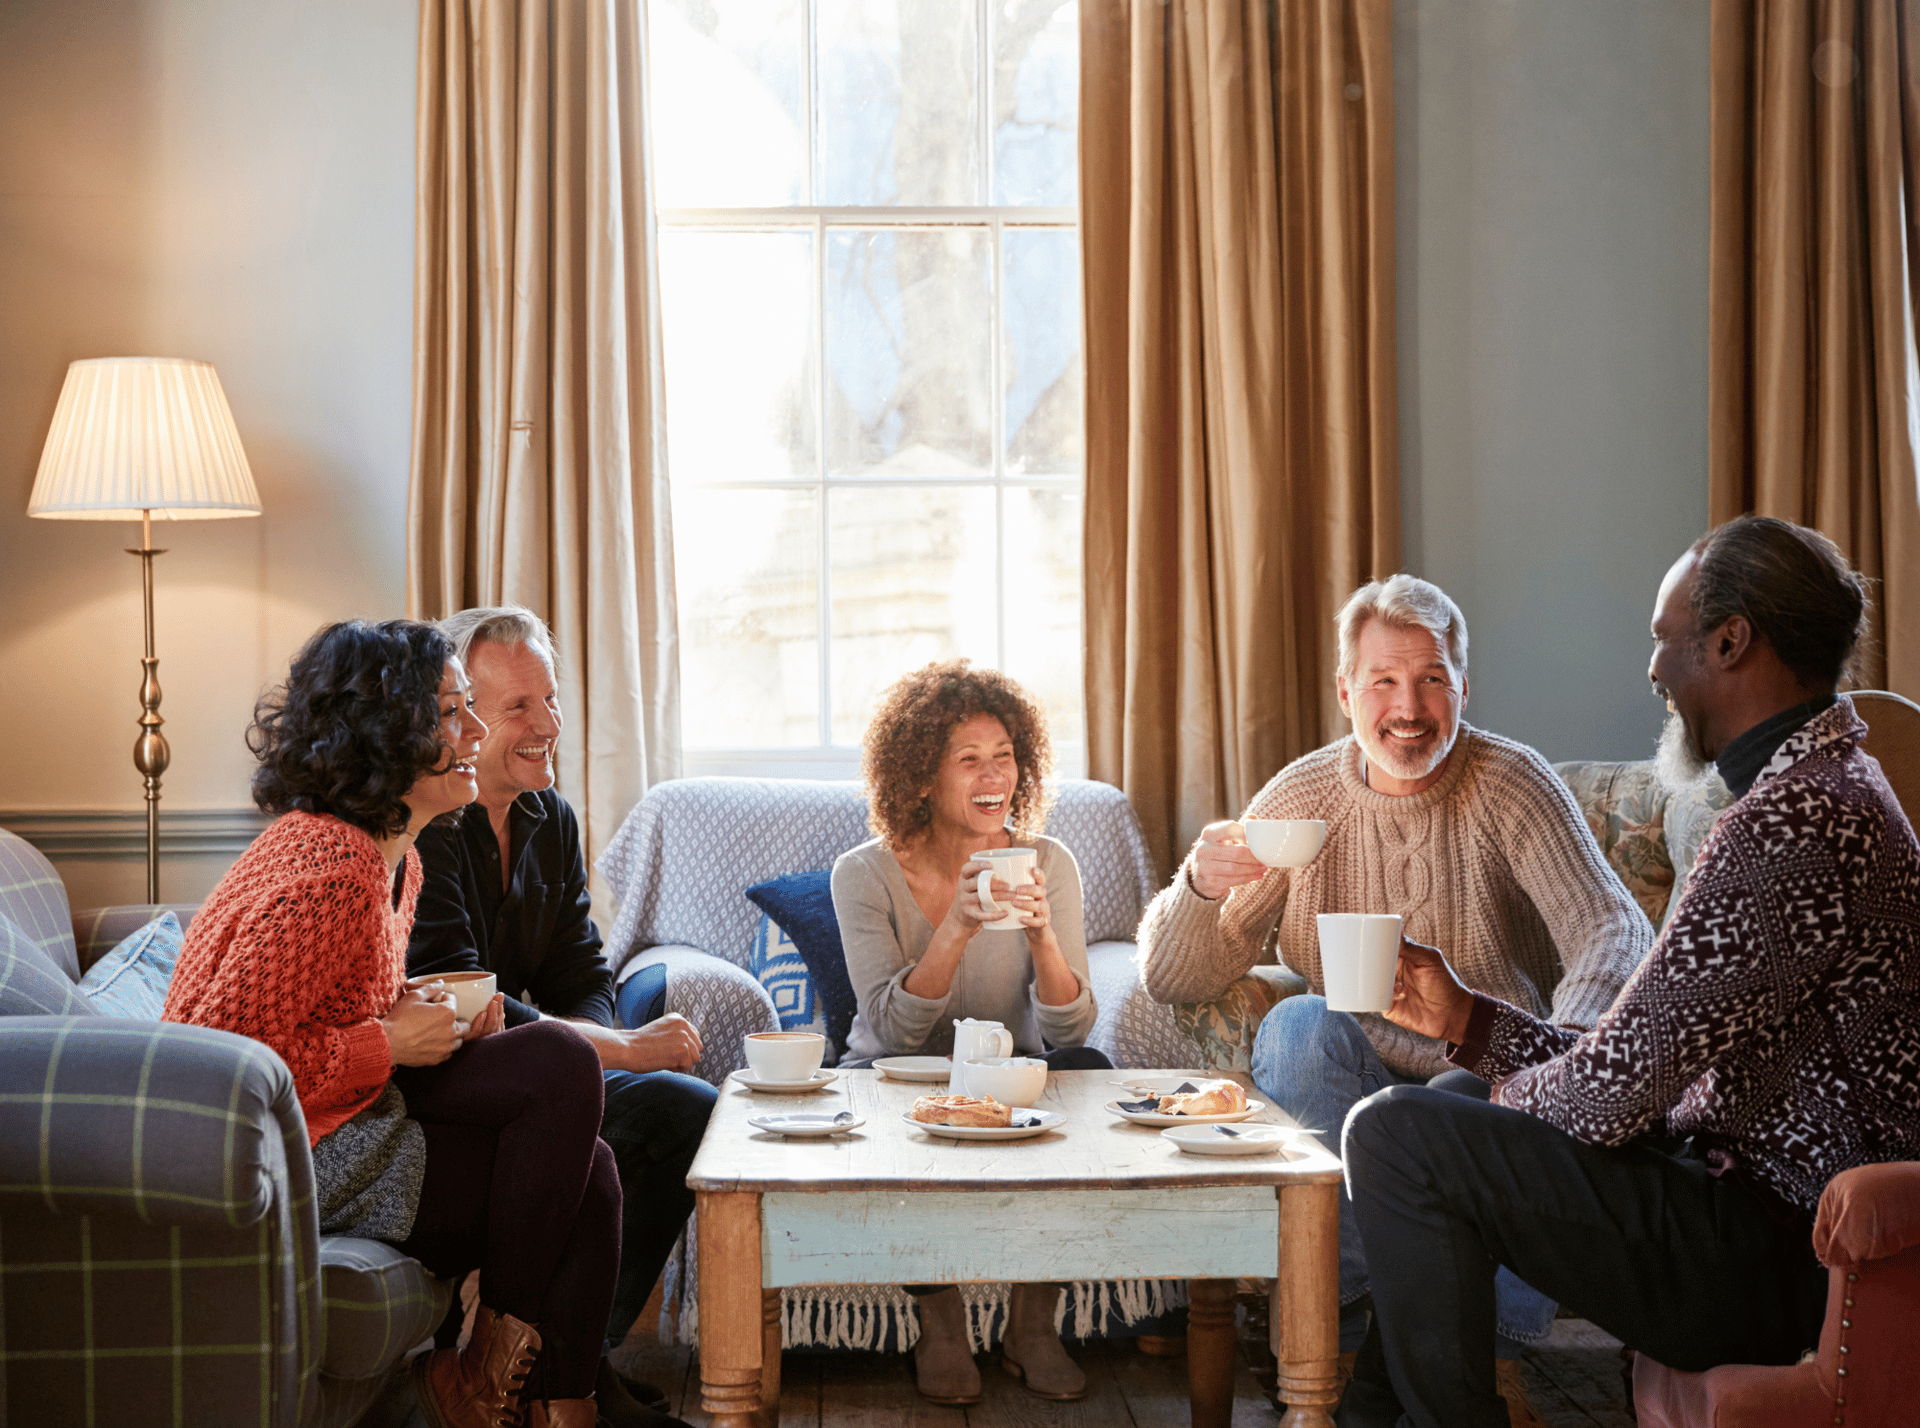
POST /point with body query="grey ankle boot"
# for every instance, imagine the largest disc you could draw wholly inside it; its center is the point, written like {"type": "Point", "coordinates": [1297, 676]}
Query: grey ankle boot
{"type": "Point", "coordinates": [1032, 1351]}
{"type": "Point", "coordinates": [943, 1365]}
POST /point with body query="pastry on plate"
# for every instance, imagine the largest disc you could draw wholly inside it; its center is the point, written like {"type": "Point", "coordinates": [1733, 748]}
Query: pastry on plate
{"type": "Point", "coordinates": [1213, 1098]}
{"type": "Point", "coordinates": [961, 1111]}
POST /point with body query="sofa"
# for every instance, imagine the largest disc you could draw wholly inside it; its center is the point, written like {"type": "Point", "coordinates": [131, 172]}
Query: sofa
{"type": "Point", "coordinates": [681, 864]}
{"type": "Point", "coordinates": [160, 1255]}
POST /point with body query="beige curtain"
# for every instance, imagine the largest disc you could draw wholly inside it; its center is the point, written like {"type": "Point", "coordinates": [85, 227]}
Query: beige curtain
{"type": "Point", "coordinates": [536, 471]}
{"type": "Point", "coordinates": [1812, 389]}
{"type": "Point", "coordinates": [1237, 219]}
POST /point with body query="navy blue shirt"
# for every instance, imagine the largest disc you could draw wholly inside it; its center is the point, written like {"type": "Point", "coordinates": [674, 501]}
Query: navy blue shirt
{"type": "Point", "coordinates": [533, 932]}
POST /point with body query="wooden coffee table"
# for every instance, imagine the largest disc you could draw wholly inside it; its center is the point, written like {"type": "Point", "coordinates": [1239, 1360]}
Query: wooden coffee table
{"type": "Point", "coordinates": [1096, 1198]}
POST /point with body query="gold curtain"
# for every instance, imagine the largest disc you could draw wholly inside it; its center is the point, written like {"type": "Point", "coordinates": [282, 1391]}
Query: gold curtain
{"type": "Point", "coordinates": [536, 474]}
{"type": "Point", "coordinates": [1237, 223]}
{"type": "Point", "coordinates": [1812, 389]}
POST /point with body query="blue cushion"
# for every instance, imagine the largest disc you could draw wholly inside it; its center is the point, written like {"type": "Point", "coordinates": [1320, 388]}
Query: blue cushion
{"type": "Point", "coordinates": [802, 905]}
{"type": "Point", "coordinates": [776, 964]}
{"type": "Point", "coordinates": [30, 983]}
{"type": "Point", "coordinates": [131, 980]}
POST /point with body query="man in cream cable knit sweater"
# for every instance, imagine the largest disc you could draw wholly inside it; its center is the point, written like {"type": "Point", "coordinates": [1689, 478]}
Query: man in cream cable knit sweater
{"type": "Point", "coordinates": [1471, 838]}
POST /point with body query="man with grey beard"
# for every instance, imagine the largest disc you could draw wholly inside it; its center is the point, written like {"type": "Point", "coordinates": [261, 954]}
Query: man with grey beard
{"type": "Point", "coordinates": [1471, 838]}
{"type": "Point", "coordinates": [1659, 1173]}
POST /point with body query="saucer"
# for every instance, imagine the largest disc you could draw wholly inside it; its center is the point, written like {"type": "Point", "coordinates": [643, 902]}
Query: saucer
{"type": "Point", "coordinates": [747, 1077]}
{"type": "Point", "coordinates": [915, 1068]}
{"type": "Point", "coordinates": [817, 1123]}
{"type": "Point", "coordinates": [1209, 1140]}
{"type": "Point", "coordinates": [1047, 1120]}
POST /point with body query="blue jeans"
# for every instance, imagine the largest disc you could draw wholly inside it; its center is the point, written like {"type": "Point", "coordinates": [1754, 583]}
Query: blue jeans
{"type": "Point", "coordinates": [1317, 1065]}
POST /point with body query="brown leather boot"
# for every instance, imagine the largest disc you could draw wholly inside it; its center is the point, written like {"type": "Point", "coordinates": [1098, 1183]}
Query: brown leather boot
{"type": "Point", "coordinates": [1032, 1351]}
{"type": "Point", "coordinates": [479, 1386]}
{"type": "Point", "coordinates": [560, 1413]}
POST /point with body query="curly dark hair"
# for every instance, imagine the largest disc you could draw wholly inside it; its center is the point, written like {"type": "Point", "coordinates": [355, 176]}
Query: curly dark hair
{"type": "Point", "coordinates": [356, 723]}
{"type": "Point", "coordinates": [908, 738]}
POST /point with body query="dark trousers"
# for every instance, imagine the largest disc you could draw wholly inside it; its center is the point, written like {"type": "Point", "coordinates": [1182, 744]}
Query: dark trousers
{"type": "Point", "coordinates": [519, 1185]}
{"type": "Point", "coordinates": [654, 1121]}
{"type": "Point", "coordinates": [1692, 1269]}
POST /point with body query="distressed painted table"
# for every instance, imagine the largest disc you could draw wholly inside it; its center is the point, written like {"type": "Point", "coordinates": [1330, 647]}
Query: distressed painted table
{"type": "Point", "coordinates": [1096, 1198]}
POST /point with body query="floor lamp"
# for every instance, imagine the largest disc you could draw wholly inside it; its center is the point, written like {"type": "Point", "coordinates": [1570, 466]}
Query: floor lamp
{"type": "Point", "coordinates": [144, 437]}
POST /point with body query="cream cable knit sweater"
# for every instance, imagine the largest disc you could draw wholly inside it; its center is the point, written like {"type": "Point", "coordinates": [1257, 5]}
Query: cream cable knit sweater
{"type": "Point", "coordinates": [1494, 865]}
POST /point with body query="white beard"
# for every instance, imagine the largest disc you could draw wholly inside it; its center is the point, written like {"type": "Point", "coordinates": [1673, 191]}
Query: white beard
{"type": "Point", "coordinates": [1678, 764]}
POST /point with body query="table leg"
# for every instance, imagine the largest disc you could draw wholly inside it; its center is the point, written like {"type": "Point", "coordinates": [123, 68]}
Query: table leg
{"type": "Point", "coordinates": [1210, 1351]}
{"type": "Point", "coordinates": [770, 1345]}
{"type": "Point", "coordinates": [1306, 1304]}
{"type": "Point", "coordinates": [732, 1311]}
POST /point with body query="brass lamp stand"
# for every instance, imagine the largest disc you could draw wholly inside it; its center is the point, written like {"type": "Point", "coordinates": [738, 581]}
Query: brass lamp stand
{"type": "Point", "coordinates": [150, 752]}
{"type": "Point", "coordinates": [146, 437]}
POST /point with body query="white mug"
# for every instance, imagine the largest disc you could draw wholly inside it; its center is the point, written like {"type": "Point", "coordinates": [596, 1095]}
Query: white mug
{"type": "Point", "coordinates": [1358, 954]}
{"type": "Point", "coordinates": [1010, 1080]}
{"type": "Point", "coordinates": [972, 1041]}
{"type": "Point", "coordinates": [1284, 842]}
{"type": "Point", "coordinates": [471, 991]}
{"type": "Point", "coordinates": [1012, 866]}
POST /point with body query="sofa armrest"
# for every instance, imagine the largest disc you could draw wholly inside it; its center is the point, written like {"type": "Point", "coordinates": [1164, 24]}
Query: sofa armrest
{"type": "Point", "coordinates": [98, 930]}
{"type": "Point", "coordinates": [1223, 1028]}
{"type": "Point", "coordinates": [173, 1125]}
{"type": "Point", "coordinates": [1867, 1213]}
{"type": "Point", "coordinates": [725, 1003]}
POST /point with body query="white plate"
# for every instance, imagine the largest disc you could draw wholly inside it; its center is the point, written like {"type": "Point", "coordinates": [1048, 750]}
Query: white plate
{"type": "Point", "coordinates": [1155, 1118]}
{"type": "Point", "coordinates": [819, 1123]}
{"type": "Point", "coordinates": [1048, 1120]}
{"type": "Point", "coordinates": [1207, 1140]}
{"type": "Point", "coordinates": [745, 1076]}
{"type": "Point", "coordinates": [915, 1068]}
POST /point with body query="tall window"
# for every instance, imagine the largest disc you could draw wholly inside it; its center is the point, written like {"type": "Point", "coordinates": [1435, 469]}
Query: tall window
{"type": "Point", "coordinates": [870, 283]}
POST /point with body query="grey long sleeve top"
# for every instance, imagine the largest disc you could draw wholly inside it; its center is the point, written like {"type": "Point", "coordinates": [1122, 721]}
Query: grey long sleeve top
{"type": "Point", "coordinates": [885, 934]}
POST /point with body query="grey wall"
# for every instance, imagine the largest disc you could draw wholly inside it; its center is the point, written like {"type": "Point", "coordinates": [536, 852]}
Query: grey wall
{"type": "Point", "coordinates": [230, 180]}
{"type": "Point", "coordinates": [1551, 187]}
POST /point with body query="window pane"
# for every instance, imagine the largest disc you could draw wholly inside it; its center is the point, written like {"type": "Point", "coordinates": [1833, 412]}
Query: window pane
{"type": "Point", "coordinates": [899, 115]}
{"type": "Point", "coordinates": [747, 573]}
{"type": "Point", "coordinates": [1036, 102]}
{"type": "Point", "coordinates": [1040, 352]}
{"type": "Point", "coordinates": [914, 573]}
{"type": "Point", "coordinates": [1043, 604]}
{"type": "Point", "coordinates": [737, 328]}
{"type": "Point", "coordinates": [907, 319]}
{"type": "Point", "coordinates": [725, 83]}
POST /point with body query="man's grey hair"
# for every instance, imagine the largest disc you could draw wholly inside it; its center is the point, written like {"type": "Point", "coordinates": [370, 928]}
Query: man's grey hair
{"type": "Point", "coordinates": [499, 625]}
{"type": "Point", "coordinates": [1410, 603]}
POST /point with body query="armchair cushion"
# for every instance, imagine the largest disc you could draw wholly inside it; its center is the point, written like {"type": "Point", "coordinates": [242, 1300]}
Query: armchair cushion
{"type": "Point", "coordinates": [131, 981]}
{"type": "Point", "coordinates": [802, 905]}
{"type": "Point", "coordinates": [31, 984]}
{"type": "Point", "coordinates": [379, 1303]}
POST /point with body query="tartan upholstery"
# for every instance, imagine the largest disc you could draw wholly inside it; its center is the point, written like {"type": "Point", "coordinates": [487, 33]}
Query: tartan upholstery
{"type": "Point", "coordinates": [98, 930]}
{"type": "Point", "coordinates": [160, 1259]}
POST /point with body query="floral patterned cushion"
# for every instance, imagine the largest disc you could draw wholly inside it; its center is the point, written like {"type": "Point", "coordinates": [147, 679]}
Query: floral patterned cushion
{"type": "Point", "coordinates": [1626, 807]}
{"type": "Point", "coordinates": [1224, 1028]}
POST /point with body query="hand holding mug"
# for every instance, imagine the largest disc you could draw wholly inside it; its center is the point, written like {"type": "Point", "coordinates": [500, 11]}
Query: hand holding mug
{"type": "Point", "coordinates": [1427, 996]}
{"type": "Point", "coordinates": [422, 1029]}
{"type": "Point", "coordinates": [1222, 861]}
{"type": "Point", "coordinates": [1029, 902]}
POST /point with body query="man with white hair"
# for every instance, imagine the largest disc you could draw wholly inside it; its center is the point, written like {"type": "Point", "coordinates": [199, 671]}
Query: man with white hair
{"type": "Point", "coordinates": [1471, 838]}
{"type": "Point", "coordinates": [504, 890]}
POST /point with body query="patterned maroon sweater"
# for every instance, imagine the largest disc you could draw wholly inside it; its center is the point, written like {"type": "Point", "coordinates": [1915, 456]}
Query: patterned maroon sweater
{"type": "Point", "coordinates": [1777, 1018]}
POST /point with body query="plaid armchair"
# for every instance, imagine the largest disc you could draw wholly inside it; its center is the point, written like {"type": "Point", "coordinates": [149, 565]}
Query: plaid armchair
{"type": "Point", "coordinates": [160, 1258]}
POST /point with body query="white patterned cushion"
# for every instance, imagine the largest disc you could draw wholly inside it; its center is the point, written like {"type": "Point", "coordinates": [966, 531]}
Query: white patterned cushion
{"type": "Point", "coordinates": [1134, 1030]}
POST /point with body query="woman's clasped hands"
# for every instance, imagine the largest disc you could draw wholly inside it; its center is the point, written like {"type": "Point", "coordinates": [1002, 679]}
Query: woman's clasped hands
{"type": "Point", "coordinates": [423, 1028]}
{"type": "Point", "coordinates": [1028, 901]}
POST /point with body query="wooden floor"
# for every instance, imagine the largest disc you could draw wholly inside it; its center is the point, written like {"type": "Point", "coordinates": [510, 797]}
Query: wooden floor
{"type": "Point", "coordinates": [1574, 1382]}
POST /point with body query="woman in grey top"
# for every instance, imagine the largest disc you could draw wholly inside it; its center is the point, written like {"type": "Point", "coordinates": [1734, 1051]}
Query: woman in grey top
{"type": "Point", "coordinates": [954, 763]}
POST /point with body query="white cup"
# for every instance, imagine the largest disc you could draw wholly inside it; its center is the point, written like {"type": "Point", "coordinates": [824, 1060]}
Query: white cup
{"type": "Point", "coordinates": [1012, 866]}
{"type": "Point", "coordinates": [1284, 842]}
{"type": "Point", "coordinates": [1358, 954]}
{"type": "Point", "coordinates": [471, 991]}
{"type": "Point", "coordinates": [973, 1041]}
{"type": "Point", "coordinates": [1010, 1080]}
{"type": "Point", "coordinates": [785, 1055]}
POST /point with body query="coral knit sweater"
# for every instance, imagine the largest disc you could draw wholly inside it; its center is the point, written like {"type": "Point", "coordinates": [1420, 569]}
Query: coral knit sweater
{"type": "Point", "coordinates": [301, 947]}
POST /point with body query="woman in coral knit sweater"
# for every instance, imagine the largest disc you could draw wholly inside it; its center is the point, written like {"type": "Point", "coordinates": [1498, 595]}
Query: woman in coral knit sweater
{"type": "Point", "coordinates": [464, 1145]}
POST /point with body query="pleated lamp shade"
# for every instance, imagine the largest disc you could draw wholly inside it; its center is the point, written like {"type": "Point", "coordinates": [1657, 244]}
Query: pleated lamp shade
{"type": "Point", "coordinates": [135, 434]}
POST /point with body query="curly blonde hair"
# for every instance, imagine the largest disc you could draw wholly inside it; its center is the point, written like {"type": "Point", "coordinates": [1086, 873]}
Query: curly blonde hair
{"type": "Point", "coordinates": [908, 738]}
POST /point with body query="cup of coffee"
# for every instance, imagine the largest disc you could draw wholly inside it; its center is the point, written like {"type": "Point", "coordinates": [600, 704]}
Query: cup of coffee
{"type": "Point", "coordinates": [1010, 1080]}
{"type": "Point", "coordinates": [1284, 842]}
{"type": "Point", "coordinates": [471, 991]}
{"type": "Point", "coordinates": [1358, 954]}
{"type": "Point", "coordinates": [1012, 866]}
{"type": "Point", "coordinates": [785, 1055]}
